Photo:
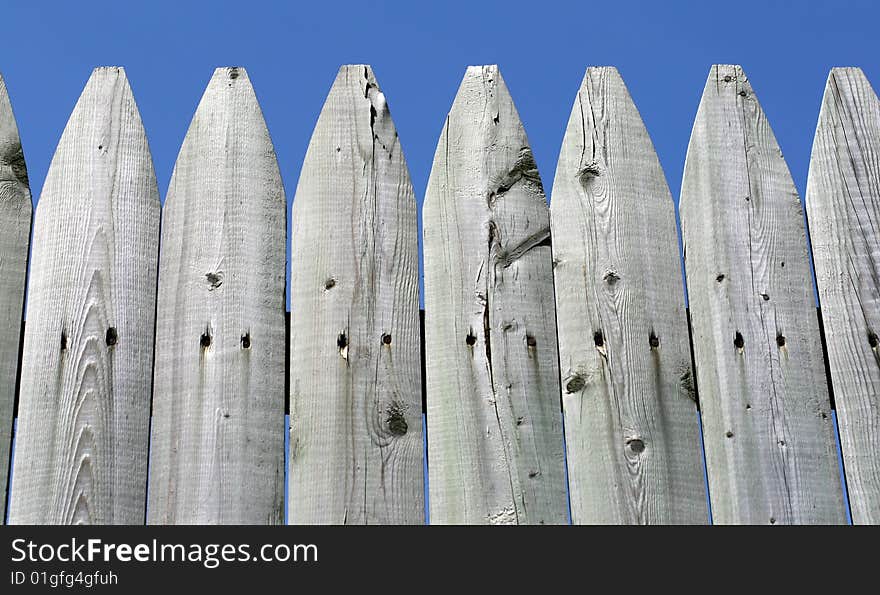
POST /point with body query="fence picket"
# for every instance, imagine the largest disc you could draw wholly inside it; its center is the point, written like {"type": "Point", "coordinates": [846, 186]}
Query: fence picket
{"type": "Point", "coordinates": [81, 447]}
{"type": "Point", "coordinates": [355, 371]}
{"type": "Point", "coordinates": [217, 447]}
{"type": "Point", "coordinates": [632, 434]}
{"type": "Point", "coordinates": [843, 210]}
{"type": "Point", "coordinates": [15, 221]}
{"type": "Point", "coordinates": [767, 426]}
{"type": "Point", "coordinates": [495, 444]}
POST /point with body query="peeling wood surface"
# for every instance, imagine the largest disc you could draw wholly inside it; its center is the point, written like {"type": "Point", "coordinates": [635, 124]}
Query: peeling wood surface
{"type": "Point", "coordinates": [632, 433]}
{"type": "Point", "coordinates": [15, 221]}
{"type": "Point", "coordinates": [494, 424]}
{"type": "Point", "coordinates": [218, 409]}
{"type": "Point", "coordinates": [767, 426]}
{"type": "Point", "coordinates": [843, 209]}
{"type": "Point", "coordinates": [356, 416]}
{"type": "Point", "coordinates": [81, 449]}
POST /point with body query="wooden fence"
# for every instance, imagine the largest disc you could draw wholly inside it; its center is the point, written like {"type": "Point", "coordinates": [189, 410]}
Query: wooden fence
{"type": "Point", "coordinates": [558, 375]}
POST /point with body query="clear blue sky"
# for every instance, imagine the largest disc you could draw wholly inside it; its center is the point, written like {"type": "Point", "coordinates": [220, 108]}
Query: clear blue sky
{"type": "Point", "coordinates": [419, 51]}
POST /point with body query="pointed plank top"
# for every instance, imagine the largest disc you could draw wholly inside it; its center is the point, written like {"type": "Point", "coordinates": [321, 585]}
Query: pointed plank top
{"type": "Point", "coordinates": [354, 123]}
{"type": "Point", "coordinates": [485, 133]}
{"type": "Point", "coordinates": [220, 320]}
{"type": "Point", "coordinates": [13, 172]}
{"type": "Point", "coordinates": [354, 323]}
{"type": "Point", "coordinates": [615, 242]}
{"type": "Point", "coordinates": [756, 338]}
{"type": "Point", "coordinates": [81, 447]}
{"type": "Point", "coordinates": [490, 332]}
{"type": "Point", "coordinates": [229, 113]}
{"type": "Point", "coordinates": [104, 130]}
{"type": "Point", "coordinates": [843, 210]}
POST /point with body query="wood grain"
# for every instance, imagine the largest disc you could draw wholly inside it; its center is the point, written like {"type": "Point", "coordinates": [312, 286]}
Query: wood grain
{"type": "Point", "coordinates": [767, 427]}
{"type": "Point", "coordinates": [843, 210]}
{"type": "Point", "coordinates": [217, 450]}
{"type": "Point", "coordinates": [631, 427]}
{"type": "Point", "coordinates": [355, 375]}
{"type": "Point", "coordinates": [15, 221]}
{"type": "Point", "coordinates": [81, 448]}
{"type": "Point", "coordinates": [495, 442]}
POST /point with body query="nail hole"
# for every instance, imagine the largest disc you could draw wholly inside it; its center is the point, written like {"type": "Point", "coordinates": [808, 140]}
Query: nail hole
{"type": "Point", "coordinates": [520, 421]}
{"type": "Point", "coordinates": [748, 406]}
{"type": "Point", "coordinates": [720, 277]}
{"type": "Point", "coordinates": [743, 94]}
{"type": "Point", "coordinates": [246, 341]}
{"type": "Point", "coordinates": [100, 147]}
{"type": "Point", "coordinates": [534, 474]}
{"type": "Point", "coordinates": [772, 521]}
{"type": "Point", "coordinates": [765, 296]}
{"type": "Point", "coordinates": [872, 339]}
{"type": "Point", "coordinates": [233, 73]}
{"type": "Point", "coordinates": [329, 283]}
{"type": "Point", "coordinates": [530, 341]}
{"type": "Point", "coordinates": [782, 264]}
{"type": "Point", "coordinates": [386, 339]}
{"type": "Point", "coordinates": [342, 341]}
{"type": "Point", "coordinates": [598, 339]}
{"type": "Point", "coordinates": [653, 340]}
{"type": "Point", "coordinates": [205, 340]}
{"type": "Point", "coordinates": [780, 340]}
{"type": "Point", "coordinates": [470, 339]}
{"type": "Point", "coordinates": [729, 434]}
{"type": "Point", "coordinates": [110, 337]}
{"type": "Point", "coordinates": [636, 445]}
{"type": "Point", "coordinates": [63, 340]}
{"type": "Point", "coordinates": [727, 79]}
{"type": "Point", "coordinates": [738, 341]}
{"type": "Point", "coordinates": [782, 443]}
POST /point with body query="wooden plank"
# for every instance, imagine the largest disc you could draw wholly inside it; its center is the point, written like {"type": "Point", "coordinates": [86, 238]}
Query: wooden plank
{"type": "Point", "coordinates": [843, 210]}
{"type": "Point", "coordinates": [631, 427]}
{"type": "Point", "coordinates": [767, 427]}
{"type": "Point", "coordinates": [217, 450]}
{"type": "Point", "coordinates": [495, 442]}
{"type": "Point", "coordinates": [355, 366]}
{"type": "Point", "coordinates": [15, 220]}
{"type": "Point", "coordinates": [81, 447]}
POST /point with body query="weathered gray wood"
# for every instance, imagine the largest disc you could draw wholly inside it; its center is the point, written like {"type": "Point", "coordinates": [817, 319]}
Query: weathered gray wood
{"type": "Point", "coordinates": [494, 425]}
{"type": "Point", "coordinates": [355, 376]}
{"type": "Point", "coordinates": [81, 447]}
{"type": "Point", "coordinates": [217, 449]}
{"type": "Point", "coordinates": [843, 210]}
{"type": "Point", "coordinates": [767, 427]}
{"type": "Point", "coordinates": [15, 221]}
{"type": "Point", "coordinates": [632, 434]}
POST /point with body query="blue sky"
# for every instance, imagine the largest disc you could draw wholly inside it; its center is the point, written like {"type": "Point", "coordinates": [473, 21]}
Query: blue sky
{"type": "Point", "coordinates": [419, 51]}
